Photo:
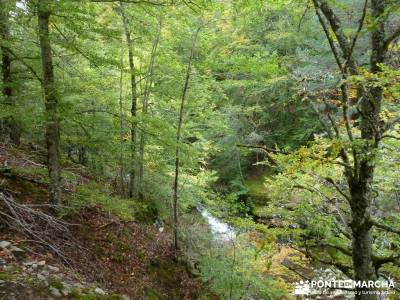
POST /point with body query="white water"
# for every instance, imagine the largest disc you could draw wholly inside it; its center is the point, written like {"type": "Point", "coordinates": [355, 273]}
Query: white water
{"type": "Point", "coordinates": [221, 232]}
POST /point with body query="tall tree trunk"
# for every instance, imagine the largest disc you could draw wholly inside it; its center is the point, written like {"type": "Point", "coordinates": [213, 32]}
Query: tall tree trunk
{"type": "Point", "coordinates": [145, 100]}
{"type": "Point", "coordinates": [121, 131]}
{"type": "Point", "coordinates": [361, 188]}
{"type": "Point", "coordinates": [51, 99]}
{"type": "Point", "coordinates": [8, 89]}
{"type": "Point", "coordinates": [133, 167]}
{"type": "Point", "coordinates": [178, 140]}
{"type": "Point", "coordinates": [360, 178]}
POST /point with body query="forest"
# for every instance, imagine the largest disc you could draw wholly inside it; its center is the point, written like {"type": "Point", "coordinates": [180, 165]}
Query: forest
{"type": "Point", "coordinates": [200, 149]}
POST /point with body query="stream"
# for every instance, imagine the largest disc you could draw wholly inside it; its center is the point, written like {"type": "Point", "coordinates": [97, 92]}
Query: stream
{"type": "Point", "coordinates": [221, 232]}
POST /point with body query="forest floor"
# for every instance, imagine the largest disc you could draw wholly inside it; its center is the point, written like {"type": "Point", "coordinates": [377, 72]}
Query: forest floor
{"type": "Point", "coordinates": [104, 253]}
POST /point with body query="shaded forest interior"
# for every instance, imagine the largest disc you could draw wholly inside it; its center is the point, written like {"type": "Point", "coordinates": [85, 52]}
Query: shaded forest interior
{"type": "Point", "coordinates": [199, 149]}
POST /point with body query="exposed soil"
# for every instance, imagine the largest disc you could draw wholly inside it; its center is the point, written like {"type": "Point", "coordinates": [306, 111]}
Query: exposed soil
{"type": "Point", "coordinates": [120, 256]}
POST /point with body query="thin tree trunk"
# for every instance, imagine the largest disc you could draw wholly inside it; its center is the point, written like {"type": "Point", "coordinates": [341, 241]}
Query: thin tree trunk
{"type": "Point", "coordinates": [51, 99]}
{"type": "Point", "coordinates": [133, 167]}
{"type": "Point", "coordinates": [8, 90]}
{"type": "Point", "coordinates": [178, 140]}
{"type": "Point", "coordinates": [145, 99]}
{"type": "Point", "coordinates": [121, 131]}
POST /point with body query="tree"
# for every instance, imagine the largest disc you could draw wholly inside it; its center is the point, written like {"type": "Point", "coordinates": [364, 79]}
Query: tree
{"type": "Point", "coordinates": [360, 171]}
{"type": "Point", "coordinates": [178, 137]}
{"type": "Point", "coordinates": [51, 99]}
{"type": "Point", "coordinates": [148, 82]}
{"type": "Point", "coordinates": [133, 85]}
{"type": "Point", "coordinates": [8, 89]}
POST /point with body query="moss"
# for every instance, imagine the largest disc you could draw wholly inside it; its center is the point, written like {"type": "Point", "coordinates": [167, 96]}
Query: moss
{"type": "Point", "coordinates": [56, 283]}
{"type": "Point", "coordinates": [6, 276]}
{"type": "Point", "coordinates": [153, 294]}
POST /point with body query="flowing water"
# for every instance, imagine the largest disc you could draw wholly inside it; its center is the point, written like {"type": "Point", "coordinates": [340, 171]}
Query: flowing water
{"type": "Point", "coordinates": [221, 232]}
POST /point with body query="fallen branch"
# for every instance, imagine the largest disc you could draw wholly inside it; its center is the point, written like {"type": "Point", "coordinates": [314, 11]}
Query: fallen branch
{"type": "Point", "coordinates": [265, 148]}
{"type": "Point", "coordinates": [42, 228]}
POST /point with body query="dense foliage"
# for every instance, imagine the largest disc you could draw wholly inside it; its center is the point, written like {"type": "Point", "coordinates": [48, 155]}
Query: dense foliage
{"type": "Point", "coordinates": [281, 117]}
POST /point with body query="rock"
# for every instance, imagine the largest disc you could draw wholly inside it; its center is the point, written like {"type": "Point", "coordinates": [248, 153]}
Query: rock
{"type": "Point", "coordinates": [34, 266]}
{"type": "Point", "coordinates": [125, 297]}
{"type": "Point", "coordinates": [41, 277]}
{"type": "Point", "coordinates": [2, 262]}
{"type": "Point", "coordinates": [79, 286]}
{"type": "Point", "coordinates": [66, 290]}
{"type": "Point", "coordinates": [16, 249]}
{"type": "Point", "coordinates": [41, 263]}
{"type": "Point", "coordinates": [52, 268]}
{"type": "Point", "coordinates": [29, 263]}
{"type": "Point", "coordinates": [18, 252]}
{"type": "Point", "coordinates": [99, 291]}
{"type": "Point", "coordinates": [55, 292]}
{"type": "Point", "coordinates": [4, 244]}
{"type": "Point", "coordinates": [45, 273]}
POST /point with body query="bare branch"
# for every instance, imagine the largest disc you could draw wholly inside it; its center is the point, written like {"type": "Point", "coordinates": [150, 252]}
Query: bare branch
{"type": "Point", "coordinates": [332, 182]}
{"type": "Point", "coordinates": [329, 38]}
{"type": "Point", "coordinates": [391, 38]}
{"type": "Point", "coordinates": [337, 29]}
{"type": "Point", "coordinates": [360, 26]}
{"type": "Point", "coordinates": [30, 68]}
{"type": "Point", "coordinates": [384, 227]}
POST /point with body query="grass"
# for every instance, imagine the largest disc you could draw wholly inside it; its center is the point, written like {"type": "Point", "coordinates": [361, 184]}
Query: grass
{"type": "Point", "coordinates": [95, 193]}
{"type": "Point", "coordinates": [256, 185]}
{"type": "Point", "coordinates": [40, 173]}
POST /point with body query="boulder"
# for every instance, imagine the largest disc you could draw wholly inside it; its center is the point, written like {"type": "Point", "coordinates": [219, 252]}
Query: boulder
{"type": "Point", "coordinates": [41, 277]}
{"type": "Point", "coordinates": [55, 292]}
{"type": "Point", "coordinates": [4, 244]}
{"type": "Point", "coordinates": [54, 269]}
{"type": "Point", "coordinates": [99, 291]}
{"type": "Point", "coordinates": [41, 263]}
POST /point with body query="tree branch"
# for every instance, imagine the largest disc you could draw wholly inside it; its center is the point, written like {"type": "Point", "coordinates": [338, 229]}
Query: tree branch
{"type": "Point", "coordinates": [262, 148]}
{"type": "Point", "coordinates": [332, 182]}
{"type": "Point", "coordinates": [385, 227]}
{"type": "Point", "coordinates": [360, 25]}
{"type": "Point", "coordinates": [391, 38]}
{"type": "Point", "coordinates": [30, 68]}
{"type": "Point", "coordinates": [329, 38]}
{"type": "Point", "coordinates": [337, 29]}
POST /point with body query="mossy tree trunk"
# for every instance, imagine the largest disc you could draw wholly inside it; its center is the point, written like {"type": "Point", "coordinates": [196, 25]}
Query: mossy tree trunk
{"type": "Point", "coordinates": [51, 100]}
{"type": "Point", "coordinates": [8, 90]}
